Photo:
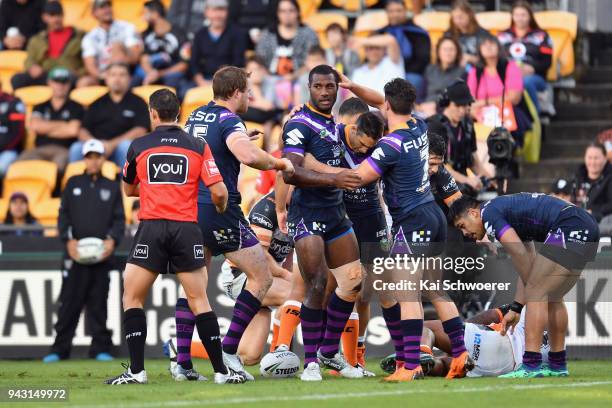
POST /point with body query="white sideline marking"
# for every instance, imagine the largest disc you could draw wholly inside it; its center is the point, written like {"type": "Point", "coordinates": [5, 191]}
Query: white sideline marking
{"type": "Point", "coordinates": [320, 397]}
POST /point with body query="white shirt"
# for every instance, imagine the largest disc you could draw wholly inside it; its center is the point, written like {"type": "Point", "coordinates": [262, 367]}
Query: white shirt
{"type": "Point", "coordinates": [377, 77]}
{"type": "Point", "coordinates": [97, 43]}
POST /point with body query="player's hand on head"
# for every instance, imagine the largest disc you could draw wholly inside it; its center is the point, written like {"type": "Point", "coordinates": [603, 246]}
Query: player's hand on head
{"type": "Point", "coordinates": [510, 320]}
{"type": "Point", "coordinates": [345, 82]}
{"type": "Point", "coordinates": [347, 180]}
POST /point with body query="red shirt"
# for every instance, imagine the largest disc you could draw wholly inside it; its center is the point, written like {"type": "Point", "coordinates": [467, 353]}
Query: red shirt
{"type": "Point", "coordinates": [169, 164]}
{"type": "Point", "coordinates": [58, 41]}
{"type": "Point", "coordinates": [266, 179]}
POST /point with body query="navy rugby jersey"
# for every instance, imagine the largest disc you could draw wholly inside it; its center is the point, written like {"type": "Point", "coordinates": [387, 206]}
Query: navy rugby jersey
{"type": "Point", "coordinates": [214, 124]}
{"type": "Point", "coordinates": [532, 215]}
{"type": "Point", "coordinates": [362, 201]}
{"type": "Point", "coordinates": [443, 186]}
{"type": "Point", "coordinates": [402, 159]}
{"type": "Point", "coordinates": [310, 131]}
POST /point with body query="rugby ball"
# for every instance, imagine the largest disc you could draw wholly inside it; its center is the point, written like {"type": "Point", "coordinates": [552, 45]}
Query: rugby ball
{"type": "Point", "coordinates": [279, 364]}
{"type": "Point", "coordinates": [90, 250]}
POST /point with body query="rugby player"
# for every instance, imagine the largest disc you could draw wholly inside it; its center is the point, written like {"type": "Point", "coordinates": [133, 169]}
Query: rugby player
{"type": "Point", "coordinates": [569, 237]}
{"type": "Point", "coordinates": [229, 234]}
{"type": "Point", "coordinates": [494, 354]}
{"type": "Point", "coordinates": [317, 221]}
{"type": "Point", "coordinates": [402, 160]}
{"type": "Point", "coordinates": [164, 169]}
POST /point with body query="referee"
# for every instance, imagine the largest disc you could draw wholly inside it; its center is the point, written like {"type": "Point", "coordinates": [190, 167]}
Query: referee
{"type": "Point", "coordinates": [164, 169]}
{"type": "Point", "coordinates": [84, 284]}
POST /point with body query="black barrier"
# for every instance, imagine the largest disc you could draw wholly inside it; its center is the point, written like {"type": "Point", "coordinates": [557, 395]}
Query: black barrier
{"type": "Point", "coordinates": [31, 276]}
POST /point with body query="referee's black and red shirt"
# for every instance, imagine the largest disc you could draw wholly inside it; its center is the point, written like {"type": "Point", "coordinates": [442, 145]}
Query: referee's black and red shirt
{"type": "Point", "coordinates": [169, 164]}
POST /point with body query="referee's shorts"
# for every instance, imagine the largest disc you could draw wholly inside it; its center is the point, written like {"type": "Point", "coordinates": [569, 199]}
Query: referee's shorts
{"type": "Point", "coordinates": [164, 246]}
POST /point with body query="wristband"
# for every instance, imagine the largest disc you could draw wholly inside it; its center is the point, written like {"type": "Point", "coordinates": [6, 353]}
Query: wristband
{"type": "Point", "coordinates": [516, 307]}
{"type": "Point", "coordinates": [504, 309]}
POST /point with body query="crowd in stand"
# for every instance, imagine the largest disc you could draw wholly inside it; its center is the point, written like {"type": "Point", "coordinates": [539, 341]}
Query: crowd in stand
{"type": "Point", "coordinates": [182, 48]}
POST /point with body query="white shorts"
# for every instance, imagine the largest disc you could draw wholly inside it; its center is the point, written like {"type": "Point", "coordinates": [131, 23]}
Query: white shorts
{"type": "Point", "coordinates": [492, 353]}
{"type": "Point", "coordinates": [232, 285]}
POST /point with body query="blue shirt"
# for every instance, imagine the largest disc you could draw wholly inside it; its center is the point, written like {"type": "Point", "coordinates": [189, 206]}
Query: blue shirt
{"type": "Point", "coordinates": [362, 201]}
{"type": "Point", "coordinates": [312, 132]}
{"type": "Point", "coordinates": [214, 124]}
{"type": "Point", "coordinates": [402, 159]}
{"type": "Point", "coordinates": [531, 215]}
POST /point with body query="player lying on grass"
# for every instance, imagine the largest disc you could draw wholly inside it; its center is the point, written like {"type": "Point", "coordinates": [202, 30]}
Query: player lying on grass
{"type": "Point", "coordinates": [569, 238]}
{"type": "Point", "coordinates": [494, 354]}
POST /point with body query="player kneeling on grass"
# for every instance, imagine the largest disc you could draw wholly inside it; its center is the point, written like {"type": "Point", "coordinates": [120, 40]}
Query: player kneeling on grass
{"type": "Point", "coordinates": [164, 168]}
{"type": "Point", "coordinates": [569, 237]}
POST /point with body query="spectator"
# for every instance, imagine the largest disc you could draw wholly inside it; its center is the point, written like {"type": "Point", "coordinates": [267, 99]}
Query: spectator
{"type": "Point", "coordinates": [162, 61]}
{"type": "Point", "coordinates": [338, 55]}
{"type": "Point", "coordinates": [530, 47]}
{"type": "Point", "coordinates": [217, 44]}
{"type": "Point", "coordinates": [135, 222]}
{"type": "Point", "coordinates": [252, 15]}
{"type": "Point", "coordinates": [19, 20]}
{"type": "Point", "coordinates": [594, 186]}
{"type": "Point", "coordinates": [491, 77]}
{"type": "Point", "coordinates": [56, 122]}
{"type": "Point", "coordinates": [12, 129]}
{"type": "Point", "coordinates": [455, 124]}
{"type": "Point", "coordinates": [465, 28]}
{"type": "Point", "coordinates": [116, 118]}
{"type": "Point", "coordinates": [444, 72]}
{"type": "Point", "coordinates": [19, 220]}
{"type": "Point", "coordinates": [383, 62]}
{"type": "Point", "coordinates": [414, 44]}
{"type": "Point", "coordinates": [562, 189]}
{"type": "Point", "coordinates": [284, 45]}
{"type": "Point", "coordinates": [187, 15]}
{"type": "Point", "coordinates": [87, 284]}
{"type": "Point", "coordinates": [111, 42]}
{"type": "Point", "coordinates": [57, 46]}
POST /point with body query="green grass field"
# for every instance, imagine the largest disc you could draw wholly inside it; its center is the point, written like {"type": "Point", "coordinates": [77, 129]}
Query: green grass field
{"type": "Point", "coordinates": [590, 385]}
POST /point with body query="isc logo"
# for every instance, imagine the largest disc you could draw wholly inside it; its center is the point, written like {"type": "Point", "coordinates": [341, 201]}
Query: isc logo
{"type": "Point", "coordinates": [167, 168]}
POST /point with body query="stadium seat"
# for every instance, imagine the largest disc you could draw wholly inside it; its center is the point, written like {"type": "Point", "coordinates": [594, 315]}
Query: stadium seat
{"type": "Point", "coordinates": [35, 178]}
{"type": "Point", "coordinates": [309, 7]}
{"type": "Point", "coordinates": [109, 170]}
{"type": "Point", "coordinates": [11, 62]}
{"type": "Point", "coordinates": [194, 98]}
{"type": "Point", "coordinates": [370, 21]}
{"type": "Point", "coordinates": [75, 11]}
{"type": "Point", "coordinates": [87, 95]}
{"type": "Point", "coordinates": [32, 96]}
{"type": "Point", "coordinates": [353, 5]}
{"type": "Point", "coordinates": [435, 23]}
{"type": "Point", "coordinates": [46, 211]}
{"type": "Point", "coordinates": [532, 144]}
{"type": "Point", "coordinates": [130, 11]}
{"type": "Point", "coordinates": [494, 21]}
{"type": "Point", "coordinates": [320, 21]}
{"type": "Point", "coordinates": [145, 91]}
{"type": "Point", "coordinates": [562, 28]}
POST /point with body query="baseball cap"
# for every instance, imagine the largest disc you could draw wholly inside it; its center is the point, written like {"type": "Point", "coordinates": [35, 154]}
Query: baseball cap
{"type": "Point", "coordinates": [60, 75]}
{"type": "Point", "coordinates": [217, 3]}
{"type": "Point", "coordinates": [93, 146]}
{"type": "Point", "coordinates": [53, 8]}
{"type": "Point", "coordinates": [18, 194]}
{"type": "Point", "coordinates": [562, 186]}
{"type": "Point", "coordinates": [459, 93]}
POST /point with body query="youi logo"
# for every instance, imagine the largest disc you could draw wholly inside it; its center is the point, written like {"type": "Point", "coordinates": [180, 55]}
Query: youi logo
{"type": "Point", "coordinates": [167, 168]}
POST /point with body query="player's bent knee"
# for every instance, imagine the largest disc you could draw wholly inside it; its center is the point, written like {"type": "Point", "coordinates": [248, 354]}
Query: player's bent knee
{"type": "Point", "coordinates": [349, 278]}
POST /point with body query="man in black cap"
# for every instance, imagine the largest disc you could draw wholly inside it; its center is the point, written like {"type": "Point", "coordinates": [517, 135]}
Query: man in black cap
{"type": "Point", "coordinates": [57, 46]}
{"type": "Point", "coordinates": [56, 122]}
{"type": "Point", "coordinates": [454, 123]}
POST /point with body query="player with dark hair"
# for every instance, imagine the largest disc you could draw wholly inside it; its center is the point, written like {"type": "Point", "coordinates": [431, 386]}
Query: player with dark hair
{"type": "Point", "coordinates": [317, 221]}
{"type": "Point", "coordinates": [164, 169]}
{"type": "Point", "coordinates": [443, 185]}
{"type": "Point", "coordinates": [401, 158]}
{"type": "Point", "coordinates": [229, 234]}
{"type": "Point", "coordinates": [570, 237]}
